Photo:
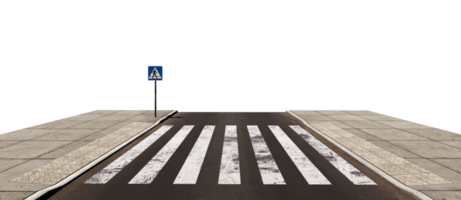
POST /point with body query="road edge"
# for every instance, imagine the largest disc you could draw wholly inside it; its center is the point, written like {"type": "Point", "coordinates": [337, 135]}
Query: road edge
{"type": "Point", "coordinates": [410, 191]}
{"type": "Point", "coordinates": [82, 170]}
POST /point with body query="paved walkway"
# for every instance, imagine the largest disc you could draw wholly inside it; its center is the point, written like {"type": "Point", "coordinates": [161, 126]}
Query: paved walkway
{"type": "Point", "coordinates": [421, 157]}
{"type": "Point", "coordinates": [37, 157]}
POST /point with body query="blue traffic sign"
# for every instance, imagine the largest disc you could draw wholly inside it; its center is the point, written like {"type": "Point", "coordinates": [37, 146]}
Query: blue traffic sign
{"type": "Point", "coordinates": [155, 73]}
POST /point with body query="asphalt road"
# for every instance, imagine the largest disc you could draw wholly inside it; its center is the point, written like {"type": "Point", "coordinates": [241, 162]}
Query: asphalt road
{"type": "Point", "coordinates": [209, 184]}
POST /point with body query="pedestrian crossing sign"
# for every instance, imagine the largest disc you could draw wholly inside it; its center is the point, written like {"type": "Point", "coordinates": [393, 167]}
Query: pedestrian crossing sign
{"type": "Point", "coordinates": [155, 73]}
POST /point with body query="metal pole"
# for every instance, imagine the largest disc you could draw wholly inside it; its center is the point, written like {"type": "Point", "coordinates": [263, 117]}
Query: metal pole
{"type": "Point", "coordinates": [155, 98]}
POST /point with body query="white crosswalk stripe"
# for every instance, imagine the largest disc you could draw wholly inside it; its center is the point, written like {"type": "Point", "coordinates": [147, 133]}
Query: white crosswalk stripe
{"type": "Point", "coordinates": [312, 175]}
{"type": "Point", "coordinates": [352, 173]}
{"type": "Point", "coordinates": [191, 168]}
{"type": "Point", "coordinates": [270, 173]}
{"type": "Point", "coordinates": [116, 166]}
{"type": "Point", "coordinates": [230, 168]}
{"type": "Point", "coordinates": [229, 173]}
{"type": "Point", "coordinates": [153, 167]}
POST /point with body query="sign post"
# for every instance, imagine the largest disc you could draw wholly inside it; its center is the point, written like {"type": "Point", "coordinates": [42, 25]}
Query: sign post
{"type": "Point", "coordinates": [155, 73]}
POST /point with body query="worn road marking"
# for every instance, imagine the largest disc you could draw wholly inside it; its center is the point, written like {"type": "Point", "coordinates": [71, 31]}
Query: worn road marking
{"type": "Point", "coordinates": [312, 175]}
{"type": "Point", "coordinates": [153, 167]}
{"type": "Point", "coordinates": [353, 174]}
{"type": "Point", "coordinates": [116, 166]}
{"type": "Point", "coordinates": [191, 168]}
{"type": "Point", "coordinates": [230, 169]}
{"type": "Point", "coordinates": [269, 170]}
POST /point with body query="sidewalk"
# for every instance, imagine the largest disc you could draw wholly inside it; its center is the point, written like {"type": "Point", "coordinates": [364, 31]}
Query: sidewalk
{"type": "Point", "coordinates": [423, 158]}
{"type": "Point", "coordinates": [37, 157]}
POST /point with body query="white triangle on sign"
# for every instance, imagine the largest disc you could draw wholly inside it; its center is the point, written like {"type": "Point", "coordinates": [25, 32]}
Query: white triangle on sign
{"type": "Point", "coordinates": [155, 74]}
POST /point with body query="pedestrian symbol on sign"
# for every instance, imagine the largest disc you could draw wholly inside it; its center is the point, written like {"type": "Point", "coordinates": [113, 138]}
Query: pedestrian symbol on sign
{"type": "Point", "coordinates": [155, 74]}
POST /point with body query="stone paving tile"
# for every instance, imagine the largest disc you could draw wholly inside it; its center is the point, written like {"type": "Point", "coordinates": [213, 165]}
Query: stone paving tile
{"type": "Point", "coordinates": [336, 123]}
{"type": "Point", "coordinates": [67, 134]}
{"type": "Point", "coordinates": [64, 159]}
{"type": "Point", "coordinates": [360, 112]}
{"type": "Point", "coordinates": [95, 125]}
{"type": "Point", "coordinates": [122, 139]}
{"type": "Point", "coordinates": [130, 112]}
{"type": "Point", "coordinates": [456, 144]}
{"type": "Point", "coordinates": [394, 149]}
{"type": "Point", "coordinates": [362, 124]}
{"type": "Point", "coordinates": [383, 154]}
{"type": "Point", "coordinates": [14, 195]}
{"type": "Point", "coordinates": [105, 148]}
{"type": "Point", "coordinates": [413, 169]}
{"type": "Point", "coordinates": [49, 167]}
{"type": "Point", "coordinates": [429, 149]}
{"type": "Point", "coordinates": [76, 153]}
{"type": "Point", "coordinates": [119, 118]}
{"type": "Point", "coordinates": [24, 134]}
{"type": "Point", "coordinates": [394, 170]}
{"type": "Point", "coordinates": [97, 135]}
{"type": "Point", "coordinates": [431, 178]}
{"type": "Point", "coordinates": [317, 117]}
{"type": "Point", "coordinates": [29, 177]}
{"type": "Point", "coordinates": [101, 112]}
{"type": "Point", "coordinates": [356, 148]}
{"type": "Point", "coordinates": [325, 130]}
{"type": "Point", "coordinates": [403, 124]}
{"type": "Point", "coordinates": [435, 134]}
{"type": "Point", "coordinates": [443, 195]}
{"type": "Point", "coordinates": [345, 117]}
{"type": "Point", "coordinates": [379, 162]}
{"type": "Point", "coordinates": [454, 164]}
{"type": "Point", "coordinates": [145, 118]}
{"type": "Point", "coordinates": [98, 151]}
{"type": "Point", "coordinates": [86, 148]}
{"type": "Point", "coordinates": [125, 137]}
{"type": "Point", "coordinates": [30, 149]}
{"type": "Point", "coordinates": [159, 112]}
{"type": "Point", "coordinates": [118, 133]}
{"type": "Point", "coordinates": [378, 117]}
{"type": "Point", "coordinates": [342, 140]}
{"type": "Point", "coordinates": [78, 163]}
{"type": "Point", "coordinates": [304, 112]}
{"type": "Point", "coordinates": [371, 147]}
{"type": "Point", "coordinates": [331, 112]}
{"type": "Point", "coordinates": [358, 141]}
{"type": "Point", "coordinates": [397, 161]}
{"type": "Point", "coordinates": [100, 141]}
{"type": "Point", "coordinates": [409, 180]}
{"type": "Point", "coordinates": [8, 143]}
{"type": "Point", "coordinates": [9, 163]}
{"type": "Point", "coordinates": [367, 155]}
{"type": "Point", "coordinates": [60, 124]}
{"type": "Point", "coordinates": [51, 178]}
{"type": "Point", "coordinates": [65, 149]}
{"type": "Point", "coordinates": [361, 134]}
{"type": "Point", "coordinates": [83, 117]}
{"type": "Point", "coordinates": [347, 144]}
{"type": "Point", "coordinates": [392, 134]}
{"type": "Point", "coordinates": [93, 155]}
{"type": "Point", "coordinates": [66, 169]}
{"type": "Point", "coordinates": [119, 125]}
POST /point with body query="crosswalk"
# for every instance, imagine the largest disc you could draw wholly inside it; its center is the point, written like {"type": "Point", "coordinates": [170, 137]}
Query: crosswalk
{"type": "Point", "coordinates": [229, 173]}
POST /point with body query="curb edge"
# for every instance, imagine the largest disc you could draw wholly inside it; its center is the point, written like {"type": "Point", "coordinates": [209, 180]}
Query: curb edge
{"type": "Point", "coordinates": [82, 170]}
{"type": "Point", "coordinates": [410, 191]}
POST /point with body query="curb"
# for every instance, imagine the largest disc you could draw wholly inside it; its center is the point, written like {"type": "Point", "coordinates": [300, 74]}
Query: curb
{"type": "Point", "coordinates": [58, 185]}
{"type": "Point", "coordinates": [412, 192]}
